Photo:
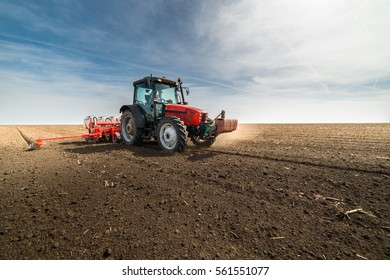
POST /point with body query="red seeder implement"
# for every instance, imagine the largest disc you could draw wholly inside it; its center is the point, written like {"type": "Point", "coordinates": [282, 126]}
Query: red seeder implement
{"type": "Point", "coordinates": [99, 129]}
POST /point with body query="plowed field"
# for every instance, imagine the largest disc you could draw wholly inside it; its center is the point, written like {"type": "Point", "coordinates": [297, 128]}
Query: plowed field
{"type": "Point", "coordinates": [262, 192]}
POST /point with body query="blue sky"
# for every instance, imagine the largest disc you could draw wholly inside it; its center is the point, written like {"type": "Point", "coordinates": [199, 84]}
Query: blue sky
{"type": "Point", "coordinates": [262, 61]}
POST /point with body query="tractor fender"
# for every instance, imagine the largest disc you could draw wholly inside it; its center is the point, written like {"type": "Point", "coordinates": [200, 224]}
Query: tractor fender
{"type": "Point", "coordinates": [138, 114]}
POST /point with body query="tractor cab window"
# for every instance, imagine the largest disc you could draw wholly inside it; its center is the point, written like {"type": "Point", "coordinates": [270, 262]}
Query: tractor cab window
{"type": "Point", "coordinates": [166, 94]}
{"type": "Point", "coordinates": [143, 95]}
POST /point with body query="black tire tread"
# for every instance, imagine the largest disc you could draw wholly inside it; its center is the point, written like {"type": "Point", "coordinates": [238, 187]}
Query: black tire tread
{"type": "Point", "coordinates": [137, 140]}
{"type": "Point", "coordinates": [182, 133]}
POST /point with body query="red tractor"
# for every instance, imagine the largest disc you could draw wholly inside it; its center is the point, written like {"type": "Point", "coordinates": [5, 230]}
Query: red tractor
{"type": "Point", "coordinates": [159, 111]}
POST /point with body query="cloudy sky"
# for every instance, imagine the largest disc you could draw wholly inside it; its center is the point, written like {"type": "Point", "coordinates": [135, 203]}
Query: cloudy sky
{"type": "Point", "coordinates": [262, 61]}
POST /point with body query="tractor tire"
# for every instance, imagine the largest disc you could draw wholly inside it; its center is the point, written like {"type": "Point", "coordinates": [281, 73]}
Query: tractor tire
{"type": "Point", "coordinates": [202, 143]}
{"type": "Point", "coordinates": [117, 138]}
{"type": "Point", "coordinates": [130, 134]}
{"type": "Point", "coordinates": [172, 135]}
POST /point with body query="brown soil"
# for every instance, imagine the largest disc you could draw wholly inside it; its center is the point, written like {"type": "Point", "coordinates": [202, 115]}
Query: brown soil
{"type": "Point", "coordinates": [262, 192]}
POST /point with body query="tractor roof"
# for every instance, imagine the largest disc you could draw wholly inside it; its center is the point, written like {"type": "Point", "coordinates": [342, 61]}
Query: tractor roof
{"type": "Point", "coordinates": [162, 80]}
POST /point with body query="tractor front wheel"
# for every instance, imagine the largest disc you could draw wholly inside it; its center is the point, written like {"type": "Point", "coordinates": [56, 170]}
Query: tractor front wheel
{"type": "Point", "coordinates": [172, 135]}
{"type": "Point", "coordinates": [130, 134]}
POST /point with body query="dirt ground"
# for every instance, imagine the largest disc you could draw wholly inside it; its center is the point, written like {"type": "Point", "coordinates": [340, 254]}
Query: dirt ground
{"type": "Point", "coordinates": [262, 192]}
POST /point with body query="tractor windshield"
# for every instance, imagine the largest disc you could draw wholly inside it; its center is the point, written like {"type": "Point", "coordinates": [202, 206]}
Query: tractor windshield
{"type": "Point", "coordinates": [166, 93]}
{"type": "Point", "coordinates": [163, 93]}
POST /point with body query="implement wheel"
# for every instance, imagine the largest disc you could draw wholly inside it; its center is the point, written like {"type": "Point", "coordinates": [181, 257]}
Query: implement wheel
{"type": "Point", "coordinates": [130, 134]}
{"type": "Point", "coordinates": [172, 135]}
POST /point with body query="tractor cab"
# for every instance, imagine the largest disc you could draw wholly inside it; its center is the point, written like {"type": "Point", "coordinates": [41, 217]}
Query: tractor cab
{"type": "Point", "coordinates": [153, 93]}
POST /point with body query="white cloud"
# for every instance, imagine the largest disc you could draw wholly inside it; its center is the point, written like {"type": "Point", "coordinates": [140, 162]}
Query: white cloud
{"type": "Point", "coordinates": [25, 99]}
{"type": "Point", "coordinates": [40, 86]}
{"type": "Point", "coordinates": [295, 44]}
{"type": "Point", "coordinates": [293, 108]}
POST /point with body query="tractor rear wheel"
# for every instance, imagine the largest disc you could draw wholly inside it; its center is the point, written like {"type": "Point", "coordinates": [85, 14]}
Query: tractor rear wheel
{"type": "Point", "coordinates": [130, 134]}
{"type": "Point", "coordinates": [172, 135]}
{"type": "Point", "coordinates": [202, 143]}
{"type": "Point", "coordinates": [117, 137]}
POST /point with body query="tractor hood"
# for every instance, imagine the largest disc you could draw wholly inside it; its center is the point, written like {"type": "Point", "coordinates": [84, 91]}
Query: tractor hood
{"type": "Point", "coordinates": [191, 116]}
